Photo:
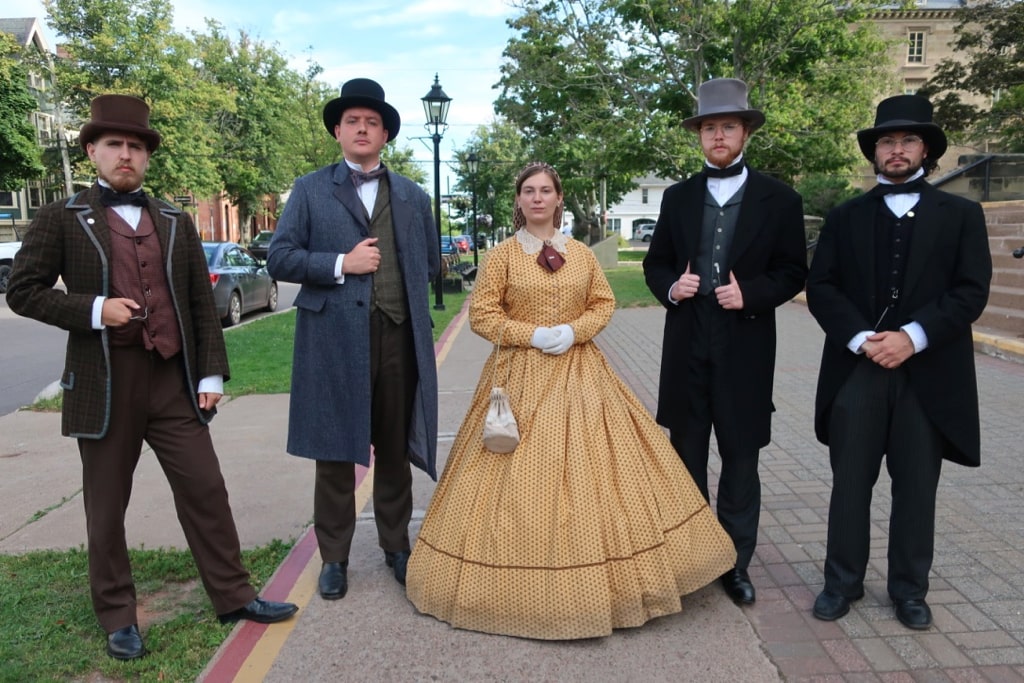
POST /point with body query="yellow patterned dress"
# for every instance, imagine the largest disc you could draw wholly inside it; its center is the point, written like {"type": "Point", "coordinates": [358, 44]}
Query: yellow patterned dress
{"type": "Point", "coordinates": [593, 522]}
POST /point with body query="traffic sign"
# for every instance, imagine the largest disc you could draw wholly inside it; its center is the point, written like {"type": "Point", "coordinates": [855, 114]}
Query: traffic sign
{"type": "Point", "coordinates": [183, 199]}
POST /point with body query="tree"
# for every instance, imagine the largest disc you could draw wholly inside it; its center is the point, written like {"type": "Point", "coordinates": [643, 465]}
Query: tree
{"type": "Point", "coordinates": [990, 66]}
{"type": "Point", "coordinates": [19, 151]}
{"type": "Point", "coordinates": [602, 86]}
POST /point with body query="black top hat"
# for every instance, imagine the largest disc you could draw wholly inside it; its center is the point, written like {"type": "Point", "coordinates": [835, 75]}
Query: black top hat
{"type": "Point", "coordinates": [362, 92]}
{"type": "Point", "coordinates": [724, 97]}
{"type": "Point", "coordinates": [911, 113]}
{"type": "Point", "coordinates": [122, 113]}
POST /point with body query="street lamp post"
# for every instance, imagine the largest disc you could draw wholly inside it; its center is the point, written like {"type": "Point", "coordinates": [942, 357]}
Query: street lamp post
{"type": "Point", "coordinates": [490, 200]}
{"type": "Point", "coordinates": [473, 162]}
{"type": "Point", "coordinates": [435, 105]}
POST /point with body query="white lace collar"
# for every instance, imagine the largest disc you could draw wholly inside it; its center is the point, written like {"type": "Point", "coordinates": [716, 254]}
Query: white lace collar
{"type": "Point", "coordinates": [532, 244]}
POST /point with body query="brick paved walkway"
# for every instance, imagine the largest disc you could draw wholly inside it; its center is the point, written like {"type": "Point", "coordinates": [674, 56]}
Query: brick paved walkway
{"type": "Point", "coordinates": [977, 585]}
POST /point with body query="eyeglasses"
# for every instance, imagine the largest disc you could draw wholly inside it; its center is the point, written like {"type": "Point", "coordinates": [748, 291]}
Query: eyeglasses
{"type": "Point", "coordinates": [910, 143]}
{"type": "Point", "coordinates": [145, 314]}
{"type": "Point", "coordinates": [708, 130]}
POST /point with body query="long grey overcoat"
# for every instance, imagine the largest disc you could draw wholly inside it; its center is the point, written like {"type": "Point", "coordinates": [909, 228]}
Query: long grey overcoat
{"type": "Point", "coordinates": [329, 415]}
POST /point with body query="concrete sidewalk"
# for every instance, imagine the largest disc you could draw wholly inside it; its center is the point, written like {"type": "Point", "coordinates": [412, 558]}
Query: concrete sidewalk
{"type": "Point", "coordinates": [374, 634]}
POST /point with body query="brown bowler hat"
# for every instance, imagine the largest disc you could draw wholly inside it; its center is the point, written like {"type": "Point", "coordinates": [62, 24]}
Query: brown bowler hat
{"type": "Point", "coordinates": [122, 113]}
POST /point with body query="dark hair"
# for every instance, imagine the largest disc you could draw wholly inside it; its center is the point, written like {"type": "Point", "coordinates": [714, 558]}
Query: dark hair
{"type": "Point", "coordinates": [528, 171]}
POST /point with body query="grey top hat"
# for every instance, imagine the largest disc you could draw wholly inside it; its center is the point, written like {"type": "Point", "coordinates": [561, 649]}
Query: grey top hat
{"type": "Point", "coordinates": [910, 113]}
{"type": "Point", "coordinates": [724, 97]}
{"type": "Point", "coordinates": [362, 92]}
{"type": "Point", "coordinates": [122, 113]}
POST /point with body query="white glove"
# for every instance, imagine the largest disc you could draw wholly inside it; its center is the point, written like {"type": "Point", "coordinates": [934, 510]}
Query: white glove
{"type": "Point", "coordinates": [542, 338]}
{"type": "Point", "coordinates": [564, 338]}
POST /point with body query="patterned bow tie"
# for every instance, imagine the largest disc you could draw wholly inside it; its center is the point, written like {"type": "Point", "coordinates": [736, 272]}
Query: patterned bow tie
{"type": "Point", "coordinates": [109, 197]}
{"type": "Point", "coordinates": [727, 172]}
{"type": "Point", "coordinates": [360, 177]}
{"type": "Point", "coordinates": [881, 189]}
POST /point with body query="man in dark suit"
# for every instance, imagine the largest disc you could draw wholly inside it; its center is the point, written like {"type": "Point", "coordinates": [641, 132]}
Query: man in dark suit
{"type": "Point", "coordinates": [727, 250]}
{"type": "Point", "coordinates": [899, 275]}
{"type": "Point", "coordinates": [362, 242]}
{"type": "Point", "coordinates": [145, 362]}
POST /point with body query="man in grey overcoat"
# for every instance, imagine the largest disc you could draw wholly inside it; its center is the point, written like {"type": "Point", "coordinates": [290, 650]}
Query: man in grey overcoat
{"type": "Point", "coordinates": [363, 244]}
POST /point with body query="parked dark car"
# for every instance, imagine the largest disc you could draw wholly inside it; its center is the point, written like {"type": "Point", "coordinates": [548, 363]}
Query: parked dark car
{"type": "Point", "coordinates": [241, 283]}
{"type": "Point", "coordinates": [448, 246]}
{"type": "Point", "coordinates": [260, 243]}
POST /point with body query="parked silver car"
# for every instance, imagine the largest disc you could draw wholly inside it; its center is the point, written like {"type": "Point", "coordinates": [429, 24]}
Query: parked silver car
{"type": "Point", "coordinates": [240, 282]}
{"type": "Point", "coordinates": [7, 252]}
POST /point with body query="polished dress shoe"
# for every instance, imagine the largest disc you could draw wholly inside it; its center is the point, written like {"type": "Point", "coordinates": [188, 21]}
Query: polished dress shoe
{"type": "Point", "coordinates": [125, 643]}
{"type": "Point", "coordinates": [333, 582]}
{"type": "Point", "coordinates": [398, 561]}
{"type": "Point", "coordinates": [913, 614]}
{"type": "Point", "coordinates": [261, 611]}
{"type": "Point", "coordinates": [830, 606]}
{"type": "Point", "coordinates": [737, 585]}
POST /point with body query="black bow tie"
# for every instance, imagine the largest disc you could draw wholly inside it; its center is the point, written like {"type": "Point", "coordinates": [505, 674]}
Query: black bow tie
{"type": "Point", "coordinates": [360, 177]}
{"type": "Point", "coordinates": [109, 197]}
{"type": "Point", "coordinates": [883, 189]}
{"type": "Point", "coordinates": [727, 172]}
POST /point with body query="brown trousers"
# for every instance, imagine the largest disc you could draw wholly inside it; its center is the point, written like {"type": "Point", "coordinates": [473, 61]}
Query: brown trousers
{"type": "Point", "coordinates": [393, 381]}
{"type": "Point", "coordinates": [150, 403]}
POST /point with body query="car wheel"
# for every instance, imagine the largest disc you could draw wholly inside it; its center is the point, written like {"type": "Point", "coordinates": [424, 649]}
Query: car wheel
{"type": "Point", "coordinates": [234, 315]}
{"type": "Point", "coordinates": [272, 299]}
{"type": "Point", "coordinates": [647, 238]}
{"type": "Point", "coordinates": [5, 276]}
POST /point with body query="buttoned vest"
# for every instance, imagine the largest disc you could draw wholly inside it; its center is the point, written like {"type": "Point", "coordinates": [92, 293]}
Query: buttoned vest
{"type": "Point", "coordinates": [137, 273]}
{"type": "Point", "coordinates": [388, 293]}
{"type": "Point", "coordinates": [718, 226]}
{"type": "Point", "coordinates": [892, 245]}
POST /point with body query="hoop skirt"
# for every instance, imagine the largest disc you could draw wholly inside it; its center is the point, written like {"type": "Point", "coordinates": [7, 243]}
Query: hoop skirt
{"type": "Point", "coordinates": [593, 522]}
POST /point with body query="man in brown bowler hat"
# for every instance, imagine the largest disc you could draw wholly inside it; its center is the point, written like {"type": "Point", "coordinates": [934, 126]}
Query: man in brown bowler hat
{"type": "Point", "coordinates": [145, 362]}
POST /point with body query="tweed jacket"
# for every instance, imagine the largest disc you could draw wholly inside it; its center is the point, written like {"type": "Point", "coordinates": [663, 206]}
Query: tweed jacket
{"type": "Point", "coordinates": [70, 240]}
{"type": "Point", "coordinates": [948, 271]}
{"type": "Point", "coordinates": [769, 259]}
{"type": "Point", "coordinates": [329, 416]}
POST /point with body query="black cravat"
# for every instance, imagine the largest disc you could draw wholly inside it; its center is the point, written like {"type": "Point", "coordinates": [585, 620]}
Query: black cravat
{"type": "Point", "coordinates": [109, 197]}
{"type": "Point", "coordinates": [727, 172]}
{"type": "Point", "coordinates": [882, 189]}
{"type": "Point", "coordinates": [360, 177]}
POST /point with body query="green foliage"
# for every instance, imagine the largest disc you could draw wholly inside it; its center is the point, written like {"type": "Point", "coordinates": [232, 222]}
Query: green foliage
{"type": "Point", "coordinates": [51, 634]}
{"type": "Point", "coordinates": [988, 66]}
{"type": "Point", "coordinates": [821, 192]}
{"type": "Point", "coordinates": [19, 153]}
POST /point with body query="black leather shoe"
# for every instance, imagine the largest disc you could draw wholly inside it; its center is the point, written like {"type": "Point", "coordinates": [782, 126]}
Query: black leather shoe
{"type": "Point", "coordinates": [913, 614]}
{"type": "Point", "coordinates": [738, 586]}
{"type": "Point", "coordinates": [830, 606]}
{"type": "Point", "coordinates": [398, 561]}
{"type": "Point", "coordinates": [333, 582]}
{"type": "Point", "coordinates": [261, 611]}
{"type": "Point", "coordinates": [125, 643]}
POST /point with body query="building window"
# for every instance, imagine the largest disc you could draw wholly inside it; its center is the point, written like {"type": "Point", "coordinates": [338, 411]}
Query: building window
{"type": "Point", "coordinates": [6, 198]}
{"type": "Point", "coordinates": [643, 196]}
{"type": "Point", "coordinates": [912, 85]}
{"type": "Point", "coordinates": [615, 224]}
{"type": "Point", "coordinates": [915, 47]}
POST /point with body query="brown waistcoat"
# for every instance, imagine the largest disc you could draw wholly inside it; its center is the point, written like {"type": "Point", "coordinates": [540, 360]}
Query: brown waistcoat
{"type": "Point", "coordinates": [388, 293]}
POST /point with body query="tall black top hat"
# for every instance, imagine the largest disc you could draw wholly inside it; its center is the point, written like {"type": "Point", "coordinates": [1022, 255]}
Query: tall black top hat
{"type": "Point", "coordinates": [122, 113]}
{"type": "Point", "coordinates": [362, 92]}
{"type": "Point", "coordinates": [910, 113]}
{"type": "Point", "coordinates": [724, 97]}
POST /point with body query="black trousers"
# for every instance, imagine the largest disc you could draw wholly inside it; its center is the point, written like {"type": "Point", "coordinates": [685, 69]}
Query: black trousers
{"type": "Point", "coordinates": [393, 381]}
{"type": "Point", "coordinates": [876, 414]}
{"type": "Point", "coordinates": [739, 486]}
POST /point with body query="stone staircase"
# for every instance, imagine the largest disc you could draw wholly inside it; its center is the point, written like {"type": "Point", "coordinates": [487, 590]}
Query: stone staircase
{"type": "Point", "coordinates": [1005, 311]}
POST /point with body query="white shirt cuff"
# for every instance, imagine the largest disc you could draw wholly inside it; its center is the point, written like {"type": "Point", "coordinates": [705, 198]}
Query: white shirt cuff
{"type": "Point", "coordinates": [214, 384]}
{"type": "Point", "coordinates": [97, 313]}
{"type": "Point", "coordinates": [858, 341]}
{"type": "Point", "coordinates": [339, 275]}
{"type": "Point", "coordinates": [917, 336]}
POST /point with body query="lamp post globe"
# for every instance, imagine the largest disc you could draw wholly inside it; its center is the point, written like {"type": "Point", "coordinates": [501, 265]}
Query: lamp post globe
{"type": "Point", "coordinates": [435, 106]}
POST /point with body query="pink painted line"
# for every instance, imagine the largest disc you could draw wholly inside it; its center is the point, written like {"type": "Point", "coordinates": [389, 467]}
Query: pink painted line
{"type": "Point", "coordinates": [452, 327]}
{"type": "Point", "coordinates": [244, 640]}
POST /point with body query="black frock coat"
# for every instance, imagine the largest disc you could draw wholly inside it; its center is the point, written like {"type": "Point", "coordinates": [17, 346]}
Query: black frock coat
{"type": "Point", "coordinates": [949, 267]}
{"type": "Point", "coordinates": [769, 259]}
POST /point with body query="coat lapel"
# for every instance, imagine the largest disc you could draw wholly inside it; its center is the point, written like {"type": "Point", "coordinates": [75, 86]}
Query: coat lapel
{"type": "Point", "coordinates": [927, 223]}
{"type": "Point", "coordinates": [862, 246]}
{"type": "Point", "coordinates": [695, 196]}
{"type": "Point", "coordinates": [751, 215]}
{"type": "Point", "coordinates": [345, 192]}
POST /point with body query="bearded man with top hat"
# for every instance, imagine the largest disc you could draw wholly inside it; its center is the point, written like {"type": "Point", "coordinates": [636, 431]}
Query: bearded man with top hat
{"type": "Point", "coordinates": [362, 242]}
{"type": "Point", "coordinates": [899, 274]}
{"type": "Point", "coordinates": [727, 250]}
{"type": "Point", "coordinates": [145, 362]}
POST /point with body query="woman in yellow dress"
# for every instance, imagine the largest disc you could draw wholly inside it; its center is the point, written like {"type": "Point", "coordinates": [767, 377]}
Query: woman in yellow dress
{"type": "Point", "coordinates": [592, 523]}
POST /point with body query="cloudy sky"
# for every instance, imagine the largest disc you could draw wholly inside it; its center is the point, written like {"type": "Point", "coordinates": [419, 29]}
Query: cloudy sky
{"type": "Point", "coordinates": [399, 43]}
